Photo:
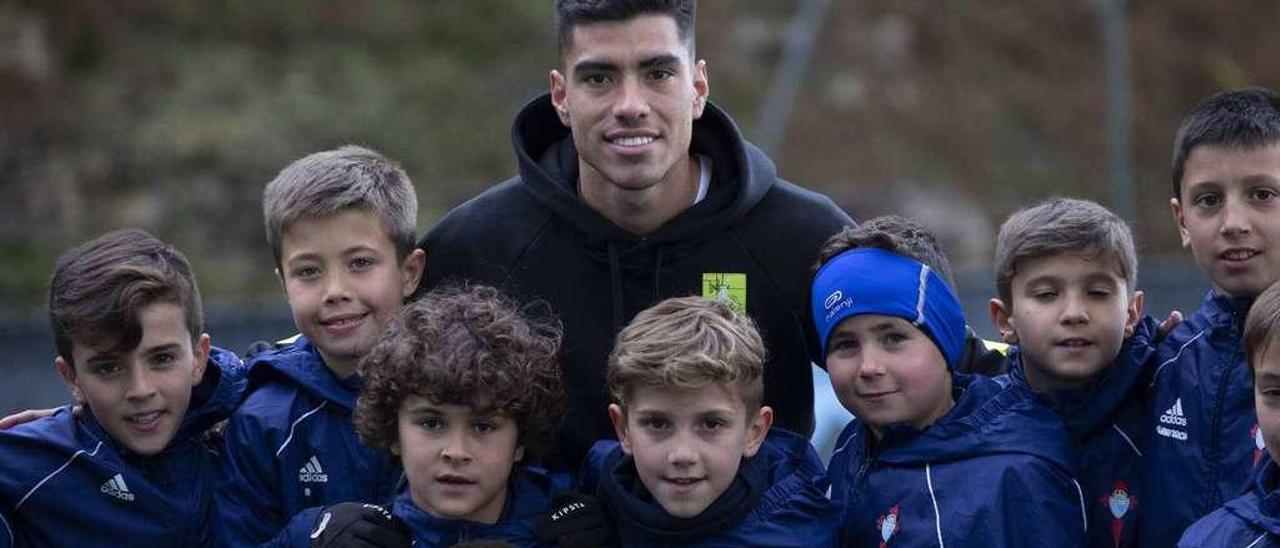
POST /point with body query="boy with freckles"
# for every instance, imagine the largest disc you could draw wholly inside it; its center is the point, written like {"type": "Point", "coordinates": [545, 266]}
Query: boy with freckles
{"type": "Point", "coordinates": [341, 228]}
{"type": "Point", "coordinates": [696, 462]}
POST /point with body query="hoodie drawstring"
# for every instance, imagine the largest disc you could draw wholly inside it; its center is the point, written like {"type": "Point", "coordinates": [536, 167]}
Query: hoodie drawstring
{"type": "Point", "coordinates": [657, 275]}
{"type": "Point", "coordinates": [615, 280]}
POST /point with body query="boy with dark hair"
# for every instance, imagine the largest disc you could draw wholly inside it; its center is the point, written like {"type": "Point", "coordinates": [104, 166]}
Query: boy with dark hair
{"type": "Point", "coordinates": [696, 462]}
{"type": "Point", "coordinates": [460, 389]}
{"type": "Point", "coordinates": [1065, 276]}
{"type": "Point", "coordinates": [341, 228]}
{"type": "Point", "coordinates": [932, 455]}
{"type": "Point", "coordinates": [1200, 415]}
{"type": "Point", "coordinates": [133, 463]}
{"type": "Point", "coordinates": [1253, 519]}
{"type": "Point", "coordinates": [633, 188]}
{"type": "Point", "coordinates": [910, 239]}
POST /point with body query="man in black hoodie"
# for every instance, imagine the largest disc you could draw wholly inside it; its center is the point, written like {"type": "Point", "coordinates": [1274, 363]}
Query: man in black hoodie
{"type": "Point", "coordinates": [633, 188]}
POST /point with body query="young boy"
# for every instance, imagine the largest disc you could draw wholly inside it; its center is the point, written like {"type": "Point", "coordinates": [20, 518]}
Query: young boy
{"type": "Point", "coordinates": [341, 227]}
{"type": "Point", "coordinates": [696, 462]}
{"type": "Point", "coordinates": [1200, 415]}
{"type": "Point", "coordinates": [1253, 519]}
{"type": "Point", "coordinates": [132, 464]}
{"type": "Point", "coordinates": [1065, 275]}
{"type": "Point", "coordinates": [913, 240]}
{"type": "Point", "coordinates": [460, 387]}
{"type": "Point", "coordinates": [933, 456]}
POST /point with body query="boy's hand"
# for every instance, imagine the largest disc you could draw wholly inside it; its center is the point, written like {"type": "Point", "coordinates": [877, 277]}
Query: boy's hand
{"type": "Point", "coordinates": [356, 525]}
{"type": "Point", "coordinates": [576, 521]}
{"type": "Point", "coordinates": [1166, 326]}
{"type": "Point", "coordinates": [30, 415]}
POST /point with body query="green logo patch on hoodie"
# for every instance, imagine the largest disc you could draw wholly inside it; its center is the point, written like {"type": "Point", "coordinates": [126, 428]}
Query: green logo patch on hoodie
{"type": "Point", "coordinates": [727, 286]}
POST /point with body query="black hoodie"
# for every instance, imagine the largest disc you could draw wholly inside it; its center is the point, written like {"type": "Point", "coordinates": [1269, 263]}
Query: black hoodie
{"type": "Point", "coordinates": [534, 238]}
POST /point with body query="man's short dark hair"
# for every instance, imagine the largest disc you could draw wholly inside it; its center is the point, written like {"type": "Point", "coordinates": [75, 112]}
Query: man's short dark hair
{"type": "Point", "coordinates": [1239, 118]}
{"type": "Point", "coordinates": [894, 234]}
{"type": "Point", "coordinates": [572, 13]}
{"type": "Point", "coordinates": [100, 287]}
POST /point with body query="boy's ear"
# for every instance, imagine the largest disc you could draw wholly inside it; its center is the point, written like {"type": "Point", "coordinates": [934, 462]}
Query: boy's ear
{"type": "Point", "coordinates": [758, 430]}
{"type": "Point", "coordinates": [68, 374]}
{"type": "Point", "coordinates": [395, 448]}
{"type": "Point", "coordinates": [1181, 220]}
{"type": "Point", "coordinates": [1133, 313]}
{"type": "Point", "coordinates": [411, 271]}
{"type": "Point", "coordinates": [558, 93]}
{"type": "Point", "coordinates": [1002, 317]}
{"type": "Point", "coordinates": [619, 419]}
{"type": "Point", "coordinates": [201, 352]}
{"type": "Point", "coordinates": [519, 454]}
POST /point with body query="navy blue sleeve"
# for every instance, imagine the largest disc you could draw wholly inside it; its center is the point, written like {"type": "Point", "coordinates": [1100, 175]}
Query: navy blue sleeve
{"type": "Point", "coordinates": [7, 539]}
{"type": "Point", "coordinates": [248, 493]}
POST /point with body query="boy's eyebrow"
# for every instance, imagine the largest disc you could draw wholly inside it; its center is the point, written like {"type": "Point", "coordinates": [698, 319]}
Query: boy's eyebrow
{"type": "Point", "coordinates": [884, 326]}
{"type": "Point", "coordinates": [165, 347]}
{"type": "Point", "coordinates": [1267, 376]}
{"type": "Point", "coordinates": [424, 408]}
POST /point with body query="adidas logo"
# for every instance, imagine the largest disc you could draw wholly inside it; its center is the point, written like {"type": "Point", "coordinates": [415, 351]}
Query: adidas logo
{"type": "Point", "coordinates": [116, 488]}
{"type": "Point", "coordinates": [1173, 423]}
{"type": "Point", "coordinates": [311, 472]}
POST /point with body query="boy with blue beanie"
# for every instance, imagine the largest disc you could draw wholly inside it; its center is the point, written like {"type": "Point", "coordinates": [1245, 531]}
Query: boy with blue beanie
{"type": "Point", "coordinates": [136, 462]}
{"type": "Point", "coordinates": [1253, 519]}
{"type": "Point", "coordinates": [933, 455]}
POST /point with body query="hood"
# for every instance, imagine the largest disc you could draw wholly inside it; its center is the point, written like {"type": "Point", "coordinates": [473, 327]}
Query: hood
{"type": "Point", "coordinates": [300, 364]}
{"type": "Point", "coordinates": [1092, 408]}
{"type": "Point", "coordinates": [1226, 310]}
{"type": "Point", "coordinates": [548, 163]}
{"type": "Point", "coordinates": [987, 419]}
{"type": "Point", "coordinates": [529, 495]}
{"type": "Point", "coordinates": [218, 395]}
{"type": "Point", "coordinates": [1261, 506]}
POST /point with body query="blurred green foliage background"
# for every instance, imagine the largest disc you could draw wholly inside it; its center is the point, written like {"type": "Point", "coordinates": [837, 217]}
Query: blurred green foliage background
{"type": "Point", "coordinates": [173, 115]}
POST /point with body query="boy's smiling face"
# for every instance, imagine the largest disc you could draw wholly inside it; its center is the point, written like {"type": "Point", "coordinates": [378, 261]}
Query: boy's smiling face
{"type": "Point", "coordinates": [886, 371]}
{"type": "Point", "coordinates": [457, 461]}
{"type": "Point", "coordinates": [1228, 215]}
{"type": "Point", "coordinates": [1069, 313]}
{"type": "Point", "coordinates": [688, 443]}
{"type": "Point", "coordinates": [140, 396]}
{"type": "Point", "coordinates": [343, 282]}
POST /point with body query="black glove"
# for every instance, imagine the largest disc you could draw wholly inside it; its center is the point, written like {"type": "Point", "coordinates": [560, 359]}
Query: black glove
{"type": "Point", "coordinates": [258, 347]}
{"type": "Point", "coordinates": [576, 521]}
{"type": "Point", "coordinates": [356, 525]}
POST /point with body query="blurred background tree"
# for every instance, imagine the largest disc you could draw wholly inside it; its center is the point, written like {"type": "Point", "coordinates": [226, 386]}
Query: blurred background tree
{"type": "Point", "coordinates": [172, 115]}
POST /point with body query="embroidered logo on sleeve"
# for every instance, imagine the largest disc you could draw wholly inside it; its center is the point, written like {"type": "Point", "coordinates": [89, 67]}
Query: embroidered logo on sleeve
{"type": "Point", "coordinates": [117, 488]}
{"type": "Point", "coordinates": [730, 287]}
{"type": "Point", "coordinates": [1173, 424]}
